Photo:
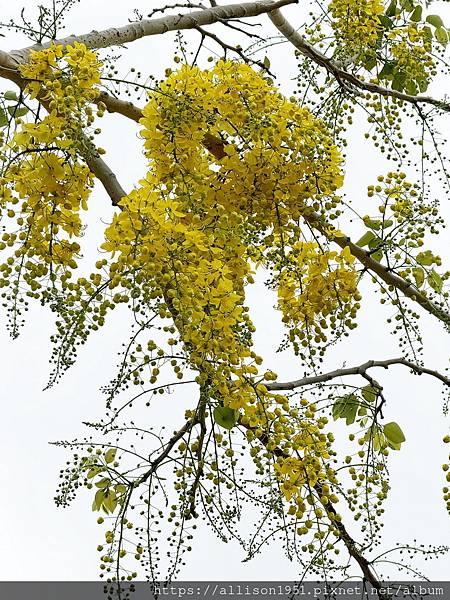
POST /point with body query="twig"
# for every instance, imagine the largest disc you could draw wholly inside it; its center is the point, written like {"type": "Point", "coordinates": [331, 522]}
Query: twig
{"type": "Point", "coordinates": [165, 453]}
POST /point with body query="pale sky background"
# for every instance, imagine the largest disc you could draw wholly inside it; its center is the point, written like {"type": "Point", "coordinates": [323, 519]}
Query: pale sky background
{"type": "Point", "coordinates": [41, 542]}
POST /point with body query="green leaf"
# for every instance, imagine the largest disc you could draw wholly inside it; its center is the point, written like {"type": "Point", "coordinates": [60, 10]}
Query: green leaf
{"type": "Point", "coordinates": [98, 500]}
{"type": "Point", "coordinates": [441, 35]}
{"type": "Point", "coordinates": [411, 88]}
{"type": "Point", "coordinates": [378, 255]}
{"type": "Point", "coordinates": [435, 20]}
{"type": "Point", "coordinates": [375, 242]}
{"type": "Point", "coordinates": [386, 21]}
{"type": "Point", "coordinates": [379, 441]}
{"type": "Point", "coordinates": [346, 407]}
{"type": "Point", "coordinates": [3, 118]}
{"type": "Point", "coordinates": [435, 281]}
{"type": "Point", "coordinates": [423, 84]}
{"type": "Point", "coordinates": [426, 259]}
{"type": "Point", "coordinates": [94, 471]}
{"type": "Point", "coordinates": [10, 95]}
{"type": "Point", "coordinates": [394, 434]}
{"type": "Point", "coordinates": [394, 446]}
{"type": "Point", "coordinates": [120, 489]}
{"type": "Point", "coordinates": [388, 69]}
{"type": "Point", "coordinates": [266, 62]}
{"type": "Point", "coordinates": [17, 111]}
{"type": "Point", "coordinates": [370, 63]}
{"type": "Point", "coordinates": [407, 5]}
{"type": "Point", "coordinates": [391, 9]}
{"type": "Point", "coordinates": [110, 501]}
{"type": "Point", "coordinates": [110, 455]}
{"type": "Point", "coordinates": [226, 417]}
{"type": "Point", "coordinates": [365, 239]}
{"type": "Point", "coordinates": [428, 33]}
{"type": "Point", "coordinates": [372, 223]}
{"type": "Point", "coordinates": [398, 83]}
{"type": "Point", "coordinates": [370, 393]}
{"type": "Point", "coordinates": [419, 276]}
{"type": "Point", "coordinates": [103, 483]}
{"type": "Point", "coordinates": [416, 14]}
{"type": "Point", "coordinates": [351, 413]}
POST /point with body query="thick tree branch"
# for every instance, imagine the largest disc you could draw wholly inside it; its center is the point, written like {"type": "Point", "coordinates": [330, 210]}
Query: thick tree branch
{"type": "Point", "coordinates": [359, 370]}
{"type": "Point", "coordinates": [8, 69]}
{"type": "Point", "coordinates": [123, 107]}
{"type": "Point", "coordinates": [103, 172]}
{"type": "Point", "coordinates": [145, 28]}
{"type": "Point", "coordinates": [342, 76]}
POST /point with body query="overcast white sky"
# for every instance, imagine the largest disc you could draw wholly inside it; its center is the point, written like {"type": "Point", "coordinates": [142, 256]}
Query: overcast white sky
{"type": "Point", "coordinates": [39, 541]}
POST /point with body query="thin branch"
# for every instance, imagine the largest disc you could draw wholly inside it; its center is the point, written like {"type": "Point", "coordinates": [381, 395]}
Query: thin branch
{"type": "Point", "coordinates": [359, 370]}
{"type": "Point", "coordinates": [344, 536]}
{"type": "Point", "coordinates": [165, 453]}
{"type": "Point", "coordinates": [342, 76]}
{"type": "Point", "coordinates": [234, 49]}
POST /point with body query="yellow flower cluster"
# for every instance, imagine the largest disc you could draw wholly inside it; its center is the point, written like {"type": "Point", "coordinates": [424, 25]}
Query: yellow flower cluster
{"type": "Point", "coordinates": [305, 465]}
{"type": "Point", "coordinates": [44, 186]}
{"type": "Point", "coordinates": [411, 51]}
{"type": "Point", "coordinates": [59, 73]}
{"type": "Point", "coordinates": [64, 79]}
{"type": "Point", "coordinates": [316, 286]}
{"type": "Point", "coordinates": [275, 155]}
{"type": "Point", "coordinates": [50, 193]}
{"type": "Point", "coordinates": [232, 165]}
{"type": "Point", "coordinates": [356, 24]}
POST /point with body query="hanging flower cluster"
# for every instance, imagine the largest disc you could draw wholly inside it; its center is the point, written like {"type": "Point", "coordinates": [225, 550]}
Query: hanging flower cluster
{"type": "Point", "coordinates": [44, 185]}
{"type": "Point", "coordinates": [232, 165]}
{"type": "Point", "coordinates": [356, 24]}
{"type": "Point", "coordinates": [317, 289]}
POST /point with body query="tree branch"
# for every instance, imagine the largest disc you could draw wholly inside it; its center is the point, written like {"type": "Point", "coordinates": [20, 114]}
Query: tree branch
{"type": "Point", "coordinates": [216, 147]}
{"type": "Point", "coordinates": [344, 536]}
{"type": "Point", "coordinates": [383, 272]}
{"type": "Point", "coordinates": [297, 40]}
{"type": "Point", "coordinates": [145, 28]}
{"type": "Point", "coordinates": [103, 172]}
{"type": "Point", "coordinates": [123, 107]}
{"type": "Point", "coordinates": [359, 370]}
{"type": "Point", "coordinates": [165, 453]}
